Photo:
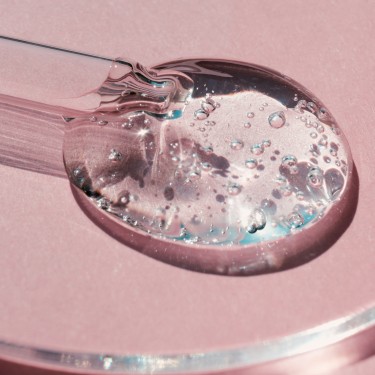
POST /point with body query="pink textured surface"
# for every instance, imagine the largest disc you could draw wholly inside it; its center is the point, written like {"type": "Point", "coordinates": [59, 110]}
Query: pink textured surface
{"type": "Point", "coordinates": [66, 285]}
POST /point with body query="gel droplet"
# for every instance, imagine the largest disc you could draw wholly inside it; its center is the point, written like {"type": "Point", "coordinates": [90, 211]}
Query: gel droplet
{"type": "Point", "coordinates": [266, 143]}
{"type": "Point", "coordinates": [277, 119]}
{"type": "Point", "coordinates": [233, 189]}
{"type": "Point", "coordinates": [312, 107]}
{"type": "Point", "coordinates": [200, 114]}
{"type": "Point", "coordinates": [315, 177]}
{"type": "Point", "coordinates": [251, 163]}
{"type": "Point", "coordinates": [289, 161]}
{"type": "Point", "coordinates": [233, 198]}
{"type": "Point", "coordinates": [301, 104]}
{"type": "Point", "coordinates": [207, 107]}
{"type": "Point", "coordinates": [257, 149]}
{"type": "Point", "coordinates": [236, 144]}
{"type": "Point", "coordinates": [257, 221]}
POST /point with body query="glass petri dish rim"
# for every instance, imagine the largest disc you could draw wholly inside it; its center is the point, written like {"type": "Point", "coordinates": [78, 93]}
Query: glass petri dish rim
{"type": "Point", "coordinates": [258, 354]}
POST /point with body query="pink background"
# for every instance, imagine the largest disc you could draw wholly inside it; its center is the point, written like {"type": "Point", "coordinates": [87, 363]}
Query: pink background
{"type": "Point", "coordinates": [67, 285]}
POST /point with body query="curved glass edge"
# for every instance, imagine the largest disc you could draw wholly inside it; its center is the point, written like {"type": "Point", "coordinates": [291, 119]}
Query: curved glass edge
{"type": "Point", "coordinates": [214, 361]}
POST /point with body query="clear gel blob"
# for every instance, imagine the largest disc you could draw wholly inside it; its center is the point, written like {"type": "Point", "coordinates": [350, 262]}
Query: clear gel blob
{"type": "Point", "coordinates": [219, 195]}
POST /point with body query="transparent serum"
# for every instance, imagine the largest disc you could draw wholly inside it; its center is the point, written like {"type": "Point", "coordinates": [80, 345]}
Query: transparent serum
{"type": "Point", "coordinates": [241, 174]}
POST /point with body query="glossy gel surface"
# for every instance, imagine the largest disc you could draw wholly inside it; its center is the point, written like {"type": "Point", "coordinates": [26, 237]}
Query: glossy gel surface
{"type": "Point", "coordinates": [238, 179]}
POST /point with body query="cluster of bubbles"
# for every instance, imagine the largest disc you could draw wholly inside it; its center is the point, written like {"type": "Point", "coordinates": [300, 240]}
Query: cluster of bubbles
{"type": "Point", "coordinates": [208, 105]}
